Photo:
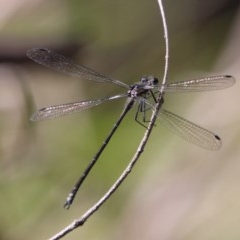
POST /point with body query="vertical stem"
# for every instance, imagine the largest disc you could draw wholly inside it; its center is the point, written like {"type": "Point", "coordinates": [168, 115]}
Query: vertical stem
{"type": "Point", "coordinates": [114, 187]}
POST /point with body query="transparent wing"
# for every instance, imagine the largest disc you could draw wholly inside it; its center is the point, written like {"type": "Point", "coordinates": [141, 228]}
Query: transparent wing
{"type": "Point", "coordinates": [65, 65]}
{"type": "Point", "coordinates": [189, 131]}
{"type": "Point", "coordinates": [69, 108]}
{"type": "Point", "coordinates": [201, 84]}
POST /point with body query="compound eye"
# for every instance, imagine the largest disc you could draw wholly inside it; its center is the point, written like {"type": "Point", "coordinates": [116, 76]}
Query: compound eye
{"type": "Point", "coordinates": [155, 81]}
{"type": "Point", "coordinates": [144, 80]}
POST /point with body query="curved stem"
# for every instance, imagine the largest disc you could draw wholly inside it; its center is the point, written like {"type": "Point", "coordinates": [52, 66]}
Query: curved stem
{"type": "Point", "coordinates": [114, 187]}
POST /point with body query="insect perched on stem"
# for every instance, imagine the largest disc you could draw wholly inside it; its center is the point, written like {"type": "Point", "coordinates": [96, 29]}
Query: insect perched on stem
{"type": "Point", "coordinates": [139, 93]}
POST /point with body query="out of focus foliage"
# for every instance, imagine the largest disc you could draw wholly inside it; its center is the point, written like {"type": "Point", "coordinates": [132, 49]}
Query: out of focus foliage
{"type": "Point", "coordinates": [177, 190]}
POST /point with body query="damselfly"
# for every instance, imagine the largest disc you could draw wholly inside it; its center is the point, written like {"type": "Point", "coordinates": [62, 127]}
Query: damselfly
{"type": "Point", "coordinates": [137, 93]}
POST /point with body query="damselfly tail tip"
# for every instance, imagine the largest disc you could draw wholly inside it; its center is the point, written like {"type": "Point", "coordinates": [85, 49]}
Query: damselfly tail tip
{"type": "Point", "coordinates": [69, 200]}
{"type": "Point", "coordinates": [66, 206]}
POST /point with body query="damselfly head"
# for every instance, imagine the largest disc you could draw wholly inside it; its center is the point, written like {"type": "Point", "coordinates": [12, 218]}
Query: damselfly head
{"type": "Point", "coordinates": [149, 80]}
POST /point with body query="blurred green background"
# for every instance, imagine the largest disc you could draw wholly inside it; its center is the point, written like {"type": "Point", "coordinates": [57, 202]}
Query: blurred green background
{"type": "Point", "coordinates": [177, 190]}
